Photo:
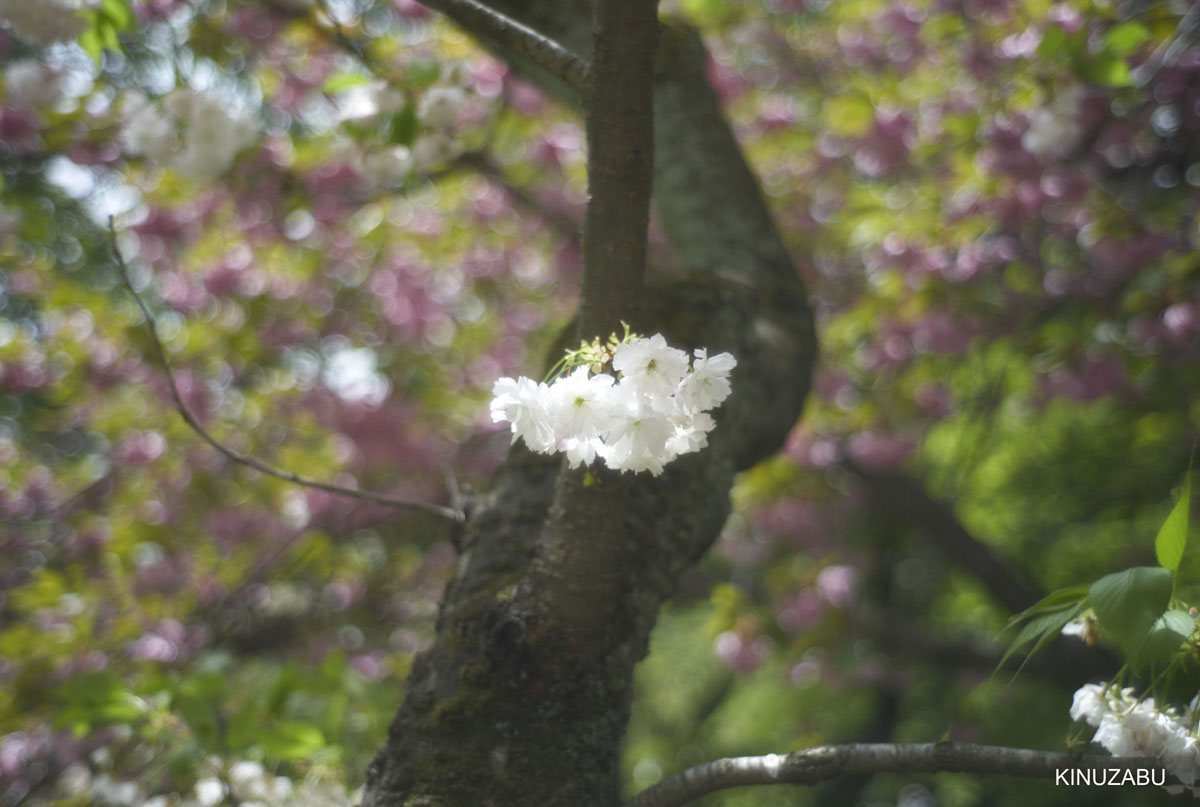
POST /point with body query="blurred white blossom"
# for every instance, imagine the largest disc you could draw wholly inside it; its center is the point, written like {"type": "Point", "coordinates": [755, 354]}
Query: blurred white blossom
{"type": "Point", "coordinates": [1055, 128]}
{"type": "Point", "coordinates": [439, 106]}
{"type": "Point", "coordinates": [31, 84]}
{"type": "Point", "coordinates": [1127, 726]}
{"type": "Point", "coordinates": [195, 133]}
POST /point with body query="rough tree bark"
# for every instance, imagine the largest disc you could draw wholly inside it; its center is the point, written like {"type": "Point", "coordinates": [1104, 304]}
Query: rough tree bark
{"type": "Point", "coordinates": [524, 696]}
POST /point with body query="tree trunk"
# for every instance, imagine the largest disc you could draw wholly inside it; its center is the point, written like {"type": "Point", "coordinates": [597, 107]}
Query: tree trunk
{"type": "Point", "coordinates": [523, 698]}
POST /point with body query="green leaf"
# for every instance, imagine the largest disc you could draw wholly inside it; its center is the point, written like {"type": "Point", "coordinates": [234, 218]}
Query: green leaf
{"type": "Point", "coordinates": [1169, 632]}
{"type": "Point", "coordinates": [1041, 630]}
{"type": "Point", "coordinates": [706, 12]}
{"type": "Point", "coordinates": [202, 718]}
{"type": "Point", "coordinates": [339, 82]}
{"type": "Point", "coordinates": [292, 740]}
{"type": "Point", "coordinates": [849, 116]}
{"type": "Point", "coordinates": [1110, 70]}
{"type": "Point", "coordinates": [118, 13]}
{"type": "Point", "coordinates": [402, 128]}
{"type": "Point", "coordinates": [1045, 619]}
{"type": "Point", "coordinates": [423, 72]}
{"type": "Point", "coordinates": [1055, 600]}
{"type": "Point", "coordinates": [1172, 537]}
{"type": "Point", "coordinates": [91, 43]}
{"type": "Point", "coordinates": [1053, 41]}
{"type": "Point", "coordinates": [98, 699]}
{"type": "Point", "coordinates": [287, 683]}
{"type": "Point", "coordinates": [243, 729]}
{"type": "Point", "coordinates": [1129, 603]}
{"type": "Point", "coordinates": [1125, 38]}
{"type": "Point", "coordinates": [334, 666]}
{"type": "Point", "coordinates": [108, 36]}
{"type": "Point", "coordinates": [335, 710]}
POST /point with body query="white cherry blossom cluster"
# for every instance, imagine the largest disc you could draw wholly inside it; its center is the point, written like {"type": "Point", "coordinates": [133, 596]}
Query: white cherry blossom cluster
{"type": "Point", "coordinates": [656, 411]}
{"type": "Point", "coordinates": [30, 84]}
{"type": "Point", "coordinates": [1055, 128]}
{"type": "Point", "coordinates": [437, 113]}
{"type": "Point", "coordinates": [1131, 727]}
{"type": "Point", "coordinates": [194, 133]}
{"type": "Point", "coordinates": [46, 21]}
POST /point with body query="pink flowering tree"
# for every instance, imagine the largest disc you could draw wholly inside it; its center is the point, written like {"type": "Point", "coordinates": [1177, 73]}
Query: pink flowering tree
{"type": "Point", "coordinates": [265, 265]}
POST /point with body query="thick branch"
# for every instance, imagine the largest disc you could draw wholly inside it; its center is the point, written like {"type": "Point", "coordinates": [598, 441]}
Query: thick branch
{"type": "Point", "coordinates": [619, 109]}
{"type": "Point", "coordinates": [814, 765]}
{"type": "Point", "coordinates": [510, 34]}
{"type": "Point", "coordinates": [581, 558]}
{"type": "Point", "coordinates": [236, 456]}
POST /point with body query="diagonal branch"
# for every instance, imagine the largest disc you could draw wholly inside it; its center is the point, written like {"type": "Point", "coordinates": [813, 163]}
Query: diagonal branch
{"type": "Point", "coordinates": [813, 765]}
{"type": "Point", "coordinates": [517, 37]}
{"type": "Point", "coordinates": [906, 497]}
{"type": "Point", "coordinates": [562, 223]}
{"type": "Point", "coordinates": [1167, 54]}
{"type": "Point", "coordinates": [618, 105]}
{"type": "Point", "coordinates": [237, 456]}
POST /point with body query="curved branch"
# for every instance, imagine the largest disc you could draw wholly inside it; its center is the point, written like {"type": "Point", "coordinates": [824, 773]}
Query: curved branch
{"type": "Point", "coordinates": [508, 33]}
{"type": "Point", "coordinates": [237, 456]}
{"type": "Point", "coordinates": [813, 765]}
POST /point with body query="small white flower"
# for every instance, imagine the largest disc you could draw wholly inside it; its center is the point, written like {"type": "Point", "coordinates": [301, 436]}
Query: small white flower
{"type": "Point", "coordinates": [1054, 129]}
{"type": "Point", "coordinates": [1181, 755]}
{"type": "Point", "coordinates": [31, 84]}
{"type": "Point", "coordinates": [107, 790]}
{"type": "Point", "coordinates": [650, 366]}
{"type": "Point", "coordinates": [148, 131]}
{"type": "Point", "coordinates": [440, 105]}
{"type": "Point", "coordinates": [367, 102]}
{"type": "Point", "coordinates": [75, 780]}
{"type": "Point", "coordinates": [44, 22]}
{"type": "Point", "coordinates": [213, 135]}
{"type": "Point", "coordinates": [209, 791]}
{"type": "Point", "coordinates": [691, 433]}
{"type": "Point", "coordinates": [387, 166]}
{"type": "Point", "coordinates": [582, 451]}
{"type": "Point", "coordinates": [433, 149]}
{"type": "Point", "coordinates": [708, 383]}
{"type": "Point", "coordinates": [637, 438]}
{"type": "Point", "coordinates": [194, 133]}
{"type": "Point", "coordinates": [581, 406]}
{"type": "Point", "coordinates": [246, 779]}
{"type": "Point", "coordinates": [523, 404]}
{"type": "Point", "coordinates": [1090, 704]}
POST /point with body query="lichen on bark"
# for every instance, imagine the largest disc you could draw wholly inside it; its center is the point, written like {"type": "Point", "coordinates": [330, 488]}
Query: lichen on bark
{"type": "Point", "coordinates": [524, 696]}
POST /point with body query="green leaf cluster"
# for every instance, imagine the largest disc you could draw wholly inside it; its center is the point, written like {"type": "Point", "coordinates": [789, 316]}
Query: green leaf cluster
{"type": "Point", "coordinates": [1138, 610]}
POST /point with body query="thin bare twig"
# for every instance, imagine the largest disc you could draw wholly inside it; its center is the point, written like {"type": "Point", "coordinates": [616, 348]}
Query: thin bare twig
{"type": "Point", "coordinates": [237, 456]}
{"type": "Point", "coordinates": [335, 34]}
{"type": "Point", "coordinates": [813, 765]}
